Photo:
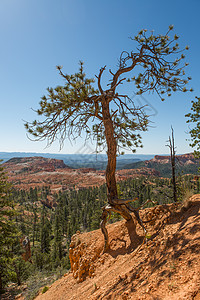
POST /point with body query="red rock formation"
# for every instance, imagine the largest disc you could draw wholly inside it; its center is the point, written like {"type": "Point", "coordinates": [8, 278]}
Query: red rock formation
{"type": "Point", "coordinates": [183, 158]}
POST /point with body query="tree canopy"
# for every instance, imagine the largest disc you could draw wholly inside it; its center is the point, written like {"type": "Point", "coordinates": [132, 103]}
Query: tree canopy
{"type": "Point", "coordinates": [194, 118]}
{"type": "Point", "coordinates": [156, 67]}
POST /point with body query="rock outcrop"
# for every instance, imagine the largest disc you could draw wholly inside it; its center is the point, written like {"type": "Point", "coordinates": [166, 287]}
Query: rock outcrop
{"type": "Point", "coordinates": [182, 159]}
{"type": "Point", "coordinates": [34, 164]}
{"type": "Point", "coordinates": [83, 256]}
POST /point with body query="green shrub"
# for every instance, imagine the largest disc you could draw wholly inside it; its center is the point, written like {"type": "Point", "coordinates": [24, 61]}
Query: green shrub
{"type": "Point", "coordinates": [45, 289]}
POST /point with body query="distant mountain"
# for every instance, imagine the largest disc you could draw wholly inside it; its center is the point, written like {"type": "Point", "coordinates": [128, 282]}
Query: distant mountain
{"type": "Point", "coordinates": [185, 164]}
{"type": "Point", "coordinates": [76, 161]}
{"type": "Point", "coordinates": [34, 164]}
{"type": "Point", "coordinates": [31, 172]}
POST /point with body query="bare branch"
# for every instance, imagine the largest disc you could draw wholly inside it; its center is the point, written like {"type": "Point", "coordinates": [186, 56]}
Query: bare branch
{"type": "Point", "coordinates": [99, 79]}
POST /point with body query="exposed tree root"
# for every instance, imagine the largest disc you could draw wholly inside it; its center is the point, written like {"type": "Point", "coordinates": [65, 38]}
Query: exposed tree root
{"type": "Point", "coordinates": [122, 207]}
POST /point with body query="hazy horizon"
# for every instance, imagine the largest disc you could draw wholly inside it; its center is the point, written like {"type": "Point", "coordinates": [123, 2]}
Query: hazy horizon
{"type": "Point", "coordinates": [126, 154]}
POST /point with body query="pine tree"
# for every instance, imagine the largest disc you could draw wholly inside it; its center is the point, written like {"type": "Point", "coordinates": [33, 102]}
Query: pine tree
{"type": "Point", "coordinates": [193, 118]}
{"type": "Point", "coordinates": [45, 232]}
{"type": "Point", "coordinates": [35, 217]}
{"type": "Point", "coordinates": [8, 232]}
{"type": "Point", "coordinates": [156, 66]}
{"type": "Point", "coordinates": [57, 251]}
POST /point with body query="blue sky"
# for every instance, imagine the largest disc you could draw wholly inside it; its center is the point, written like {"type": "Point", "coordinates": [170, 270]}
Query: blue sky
{"type": "Point", "coordinates": [37, 35]}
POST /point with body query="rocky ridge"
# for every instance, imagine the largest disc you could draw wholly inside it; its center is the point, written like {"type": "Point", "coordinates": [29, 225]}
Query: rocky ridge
{"type": "Point", "coordinates": [183, 159]}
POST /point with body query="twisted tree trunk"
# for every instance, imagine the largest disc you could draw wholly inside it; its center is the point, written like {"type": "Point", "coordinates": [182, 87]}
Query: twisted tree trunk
{"type": "Point", "coordinates": [113, 201]}
{"type": "Point", "coordinates": [111, 154]}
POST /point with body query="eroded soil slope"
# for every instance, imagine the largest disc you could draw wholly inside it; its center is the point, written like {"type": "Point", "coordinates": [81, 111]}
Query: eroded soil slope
{"type": "Point", "coordinates": [167, 267]}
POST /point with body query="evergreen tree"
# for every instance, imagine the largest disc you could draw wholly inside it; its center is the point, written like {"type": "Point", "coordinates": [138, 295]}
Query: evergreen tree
{"type": "Point", "coordinates": [156, 66]}
{"type": "Point", "coordinates": [45, 228]}
{"type": "Point", "coordinates": [194, 118]}
{"type": "Point", "coordinates": [35, 217]}
{"type": "Point", "coordinates": [8, 232]}
{"type": "Point", "coordinates": [57, 251]}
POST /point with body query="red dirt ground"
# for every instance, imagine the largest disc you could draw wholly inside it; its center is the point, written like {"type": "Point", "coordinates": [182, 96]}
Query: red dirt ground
{"type": "Point", "coordinates": [167, 267]}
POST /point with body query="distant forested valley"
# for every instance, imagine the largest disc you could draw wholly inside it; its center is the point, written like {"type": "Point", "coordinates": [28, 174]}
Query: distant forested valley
{"type": "Point", "coordinates": [49, 225]}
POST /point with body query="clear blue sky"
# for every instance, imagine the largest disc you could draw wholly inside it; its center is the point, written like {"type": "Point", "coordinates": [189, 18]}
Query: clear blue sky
{"type": "Point", "coordinates": [37, 35]}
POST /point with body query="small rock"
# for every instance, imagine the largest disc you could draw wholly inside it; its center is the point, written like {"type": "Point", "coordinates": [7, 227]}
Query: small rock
{"type": "Point", "coordinates": [18, 296]}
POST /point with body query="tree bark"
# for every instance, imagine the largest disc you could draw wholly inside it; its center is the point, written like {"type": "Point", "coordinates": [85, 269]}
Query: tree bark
{"type": "Point", "coordinates": [174, 178]}
{"type": "Point", "coordinates": [111, 165]}
{"type": "Point", "coordinates": [111, 153]}
{"type": "Point", "coordinates": [173, 164]}
{"type": "Point", "coordinates": [111, 178]}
